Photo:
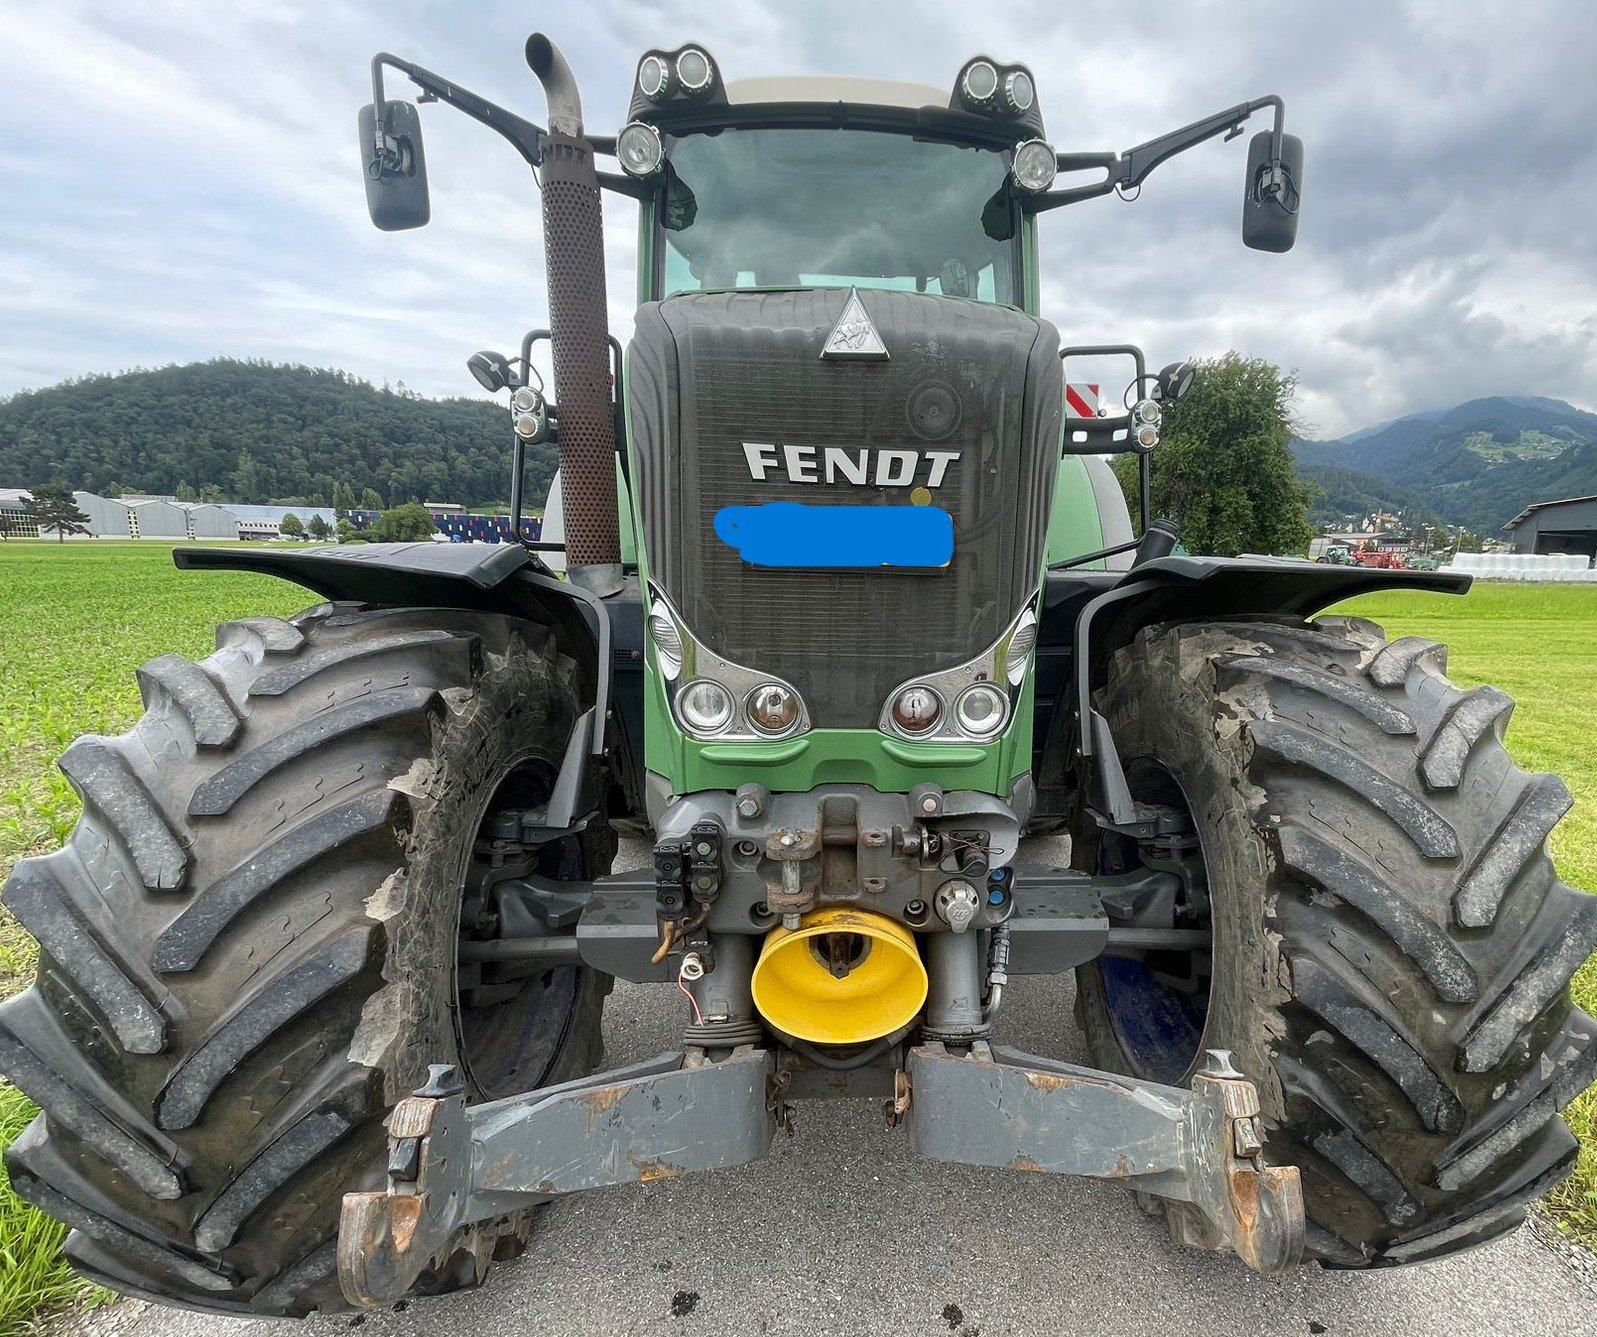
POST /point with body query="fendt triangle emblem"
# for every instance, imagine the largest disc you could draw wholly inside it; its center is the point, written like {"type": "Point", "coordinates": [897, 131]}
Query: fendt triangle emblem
{"type": "Point", "coordinates": [854, 336]}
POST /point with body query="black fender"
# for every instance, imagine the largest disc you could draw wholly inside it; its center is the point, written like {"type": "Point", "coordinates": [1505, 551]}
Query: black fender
{"type": "Point", "coordinates": [1088, 615]}
{"type": "Point", "coordinates": [603, 636]}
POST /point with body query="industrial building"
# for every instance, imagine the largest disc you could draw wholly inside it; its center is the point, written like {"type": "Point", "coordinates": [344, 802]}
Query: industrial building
{"type": "Point", "coordinates": [1567, 526]}
{"type": "Point", "coordinates": [16, 521]}
{"type": "Point", "coordinates": [152, 517]}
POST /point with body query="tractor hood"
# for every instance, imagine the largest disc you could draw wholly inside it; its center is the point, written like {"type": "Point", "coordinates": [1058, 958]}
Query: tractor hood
{"type": "Point", "coordinates": [843, 489]}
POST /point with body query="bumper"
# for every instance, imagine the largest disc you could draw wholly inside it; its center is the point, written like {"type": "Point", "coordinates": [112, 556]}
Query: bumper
{"type": "Point", "coordinates": [454, 1172]}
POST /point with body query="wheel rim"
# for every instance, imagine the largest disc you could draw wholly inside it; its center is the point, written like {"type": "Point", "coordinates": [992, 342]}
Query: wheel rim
{"type": "Point", "coordinates": [1157, 1002]}
{"type": "Point", "coordinates": [512, 1021]}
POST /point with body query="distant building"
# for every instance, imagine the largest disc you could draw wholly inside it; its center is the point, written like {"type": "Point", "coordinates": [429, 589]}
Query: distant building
{"type": "Point", "coordinates": [156, 519]}
{"type": "Point", "coordinates": [1567, 526]}
{"type": "Point", "coordinates": [108, 518]}
{"type": "Point", "coordinates": [210, 521]}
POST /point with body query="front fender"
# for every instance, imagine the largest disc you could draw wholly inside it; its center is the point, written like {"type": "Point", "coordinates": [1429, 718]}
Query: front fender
{"type": "Point", "coordinates": [600, 635]}
{"type": "Point", "coordinates": [1088, 615]}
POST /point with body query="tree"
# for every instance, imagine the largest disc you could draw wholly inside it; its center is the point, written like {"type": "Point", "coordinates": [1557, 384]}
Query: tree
{"type": "Point", "coordinates": [247, 478]}
{"type": "Point", "coordinates": [409, 523]}
{"type": "Point", "coordinates": [292, 527]}
{"type": "Point", "coordinates": [185, 493]}
{"type": "Point", "coordinates": [54, 507]}
{"type": "Point", "coordinates": [347, 533]}
{"type": "Point", "coordinates": [212, 494]}
{"type": "Point", "coordinates": [343, 498]}
{"type": "Point", "coordinates": [1223, 469]}
{"type": "Point", "coordinates": [370, 501]}
{"type": "Point", "coordinates": [319, 529]}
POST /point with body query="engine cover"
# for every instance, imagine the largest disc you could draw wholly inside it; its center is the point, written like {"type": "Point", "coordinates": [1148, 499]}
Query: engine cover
{"type": "Point", "coordinates": [733, 409]}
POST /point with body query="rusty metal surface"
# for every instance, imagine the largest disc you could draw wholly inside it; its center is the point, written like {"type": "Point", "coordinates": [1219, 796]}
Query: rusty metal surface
{"type": "Point", "coordinates": [1199, 1152]}
{"type": "Point", "coordinates": [643, 1124]}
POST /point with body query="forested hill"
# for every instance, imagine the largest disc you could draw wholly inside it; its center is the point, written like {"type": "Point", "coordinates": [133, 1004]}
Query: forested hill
{"type": "Point", "coordinates": [1477, 464]}
{"type": "Point", "coordinates": [255, 432]}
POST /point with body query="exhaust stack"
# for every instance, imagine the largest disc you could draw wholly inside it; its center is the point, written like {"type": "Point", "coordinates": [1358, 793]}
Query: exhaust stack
{"type": "Point", "coordinates": [580, 327]}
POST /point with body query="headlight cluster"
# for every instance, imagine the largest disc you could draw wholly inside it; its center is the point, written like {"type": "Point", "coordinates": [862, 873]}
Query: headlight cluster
{"type": "Point", "coordinates": [1146, 416]}
{"type": "Point", "coordinates": [971, 703]}
{"type": "Point", "coordinates": [985, 85]}
{"type": "Point", "coordinates": [664, 75]}
{"type": "Point", "coordinates": [713, 698]}
{"type": "Point", "coordinates": [529, 415]}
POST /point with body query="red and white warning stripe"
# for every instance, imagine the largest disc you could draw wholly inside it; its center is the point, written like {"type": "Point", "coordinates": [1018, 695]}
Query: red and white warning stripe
{"type": "Point", "coordinates": [1081, 400]}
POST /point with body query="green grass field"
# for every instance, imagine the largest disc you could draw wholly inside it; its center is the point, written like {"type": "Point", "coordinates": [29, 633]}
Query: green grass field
{"type": "Point", "coordinates": [77, 619]}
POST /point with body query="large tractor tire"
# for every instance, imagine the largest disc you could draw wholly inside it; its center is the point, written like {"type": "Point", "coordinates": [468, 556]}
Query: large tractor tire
{"type": "Point", "coordinates": [248, 945]}
{"type": "Point", "coordinates": [1392, 949]}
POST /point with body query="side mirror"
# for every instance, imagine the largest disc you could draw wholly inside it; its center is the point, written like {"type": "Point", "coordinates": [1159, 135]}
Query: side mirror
{"type": "Point", "coordinates": [1274, 191]}
{"type": "Point", "coordinates": [394, 166]}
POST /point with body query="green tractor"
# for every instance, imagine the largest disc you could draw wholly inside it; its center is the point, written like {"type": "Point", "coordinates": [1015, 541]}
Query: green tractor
{"type": "Point", "coordinates": [849, 604]}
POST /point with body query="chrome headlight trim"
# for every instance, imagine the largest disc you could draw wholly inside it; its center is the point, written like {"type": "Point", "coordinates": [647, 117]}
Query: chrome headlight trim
{"type": "Point", "coordinates": [993, 666]}
{"type": "Point", "coordinates": [699, 661]}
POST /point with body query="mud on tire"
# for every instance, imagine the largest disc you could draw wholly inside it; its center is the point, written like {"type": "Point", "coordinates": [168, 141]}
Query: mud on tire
{"type": "Point", "coordinates": [247, 946]}
{"type": "Point", "coordinates": [1392, 946]}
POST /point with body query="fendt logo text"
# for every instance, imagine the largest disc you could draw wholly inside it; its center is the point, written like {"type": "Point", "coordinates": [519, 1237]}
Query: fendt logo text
{"type": "Point", "coordinates": [837, 464]}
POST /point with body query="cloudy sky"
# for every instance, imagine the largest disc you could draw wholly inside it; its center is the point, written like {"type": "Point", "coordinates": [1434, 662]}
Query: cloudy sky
{"type": "Point", "coordinates": [179, 180]}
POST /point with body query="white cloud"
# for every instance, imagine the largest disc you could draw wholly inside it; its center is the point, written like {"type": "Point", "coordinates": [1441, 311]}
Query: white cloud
{"type": "Point", "coordinates": [180, 181]}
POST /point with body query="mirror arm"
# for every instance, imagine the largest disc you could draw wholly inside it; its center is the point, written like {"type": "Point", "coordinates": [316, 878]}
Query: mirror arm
{"type": "Point", "coordinates": [1128, 170]}
{"type": "Point", "coordinates": [526, 137]}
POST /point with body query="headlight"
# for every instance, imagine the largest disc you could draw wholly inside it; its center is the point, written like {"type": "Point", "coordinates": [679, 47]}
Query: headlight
{"type": "Point", "coordinates": [639, 150]}
{"type": "Point", "coordinates": [694, 71]}
{"type": "Point", "coordinates": [667, 643]}
{"type": "Point", "coordinates": [654, 76]}
{"type": "Point", "coordinates": [1147, 437]}
{"type": "Point", "coordinates": [704, 706]}
{"type": "Point", "coordinates": [1019, 93]}
{"type": "Point", "coordinates": [1036, 165]}
{"type": "Point", "coordinates": [773, 708]}
{"type": "Point", "coordinates": [980, 83]}
{"type": "Point", "coordinates": [1147, 410]}
{"type": "Point", "coordinates": [1020, 648]}
{"type": "Point", "coordinates": [917, 709]}
{"type": "Point", "coordinates": [980, 710]}
{"type": "Point", "coordinates": [971, 702]}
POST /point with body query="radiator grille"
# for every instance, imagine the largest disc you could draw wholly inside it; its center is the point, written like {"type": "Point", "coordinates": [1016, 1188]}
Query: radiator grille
{"type": "Point", "coordinates": [713, 371]}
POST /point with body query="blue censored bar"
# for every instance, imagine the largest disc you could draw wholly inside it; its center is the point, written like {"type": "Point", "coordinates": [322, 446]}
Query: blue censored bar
{"type": "Point", "coordinates": [789, 534]}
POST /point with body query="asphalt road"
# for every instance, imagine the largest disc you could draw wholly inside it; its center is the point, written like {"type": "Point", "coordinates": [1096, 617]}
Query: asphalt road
{"type": "Point", "coordinates": [842, 1231]}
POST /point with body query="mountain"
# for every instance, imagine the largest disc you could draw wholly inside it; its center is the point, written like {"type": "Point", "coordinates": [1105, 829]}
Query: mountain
{"type": "Point", "coordinates": [259, 432]}
{"type": "Point", "coordinates": [1476, 464]}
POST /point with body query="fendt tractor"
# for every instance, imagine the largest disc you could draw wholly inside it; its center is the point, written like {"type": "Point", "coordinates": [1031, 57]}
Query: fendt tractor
{"type": "Point", "coordinates": [843, 603]}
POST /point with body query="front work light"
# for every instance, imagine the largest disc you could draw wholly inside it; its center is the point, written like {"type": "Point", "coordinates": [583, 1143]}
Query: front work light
{"type": "Point", "coordinates": [980, 83]}
{"type": "Point", "coordinates": [639, 150]}
{"type": "Point", "coordinates": [1019, 92]}
{"type": "Point", "coordinates": [1147, 437]}
{"type": "Point", "coordinates": [694, 71]}
{"type": "Point", "coordinates": [654, 76]}
{"type": "Point", "coordinates": [1036, 165]}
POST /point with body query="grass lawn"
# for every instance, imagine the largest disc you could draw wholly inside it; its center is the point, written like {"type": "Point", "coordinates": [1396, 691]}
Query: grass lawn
{"type": "Point", "coordinates": [76, 619]}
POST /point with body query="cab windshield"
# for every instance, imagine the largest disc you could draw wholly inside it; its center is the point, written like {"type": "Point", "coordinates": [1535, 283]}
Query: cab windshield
{"type": "Point", "coordinates": [783, 208]}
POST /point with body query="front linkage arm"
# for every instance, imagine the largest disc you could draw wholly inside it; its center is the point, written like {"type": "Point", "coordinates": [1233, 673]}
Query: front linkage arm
{"type": "Point", "coordinates": [455, 1174]}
